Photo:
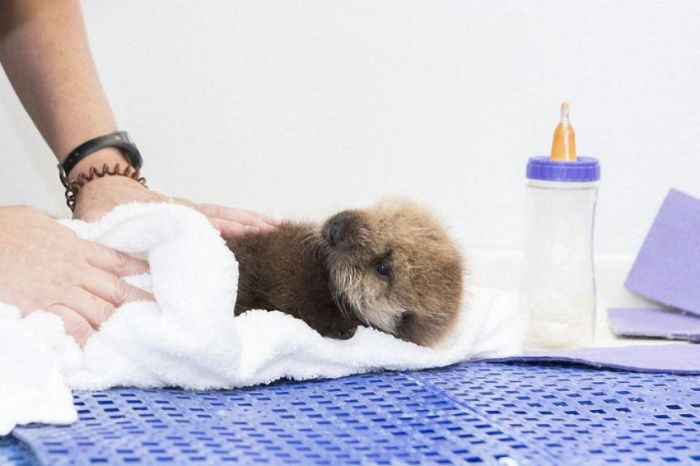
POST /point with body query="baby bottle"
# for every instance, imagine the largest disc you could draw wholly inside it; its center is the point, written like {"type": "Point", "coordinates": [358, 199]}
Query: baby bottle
{"type": "Point", "coordinates": [557, 295]}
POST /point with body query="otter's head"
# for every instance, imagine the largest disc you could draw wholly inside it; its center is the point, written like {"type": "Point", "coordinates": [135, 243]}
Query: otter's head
{"type": "Point", "coordinates": [396, 269]}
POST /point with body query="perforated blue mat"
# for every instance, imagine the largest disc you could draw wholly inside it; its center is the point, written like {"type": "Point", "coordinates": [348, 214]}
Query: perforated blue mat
{"type": "Point", "coordinates": [484, 413]}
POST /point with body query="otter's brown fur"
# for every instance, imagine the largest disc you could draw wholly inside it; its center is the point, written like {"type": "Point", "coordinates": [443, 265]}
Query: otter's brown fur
{"type": "Point", "coordinates": [284, 271]}
{"type": "Point", "coordinates": [392, 267]}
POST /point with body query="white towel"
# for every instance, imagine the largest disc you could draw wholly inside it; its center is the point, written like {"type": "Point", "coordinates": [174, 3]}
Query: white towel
{"type": "Point", "coordinates": [189, 336]}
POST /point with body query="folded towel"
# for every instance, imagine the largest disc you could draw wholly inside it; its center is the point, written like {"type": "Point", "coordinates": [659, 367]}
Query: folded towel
{"type": "Point", "coordinates": [189, 336]}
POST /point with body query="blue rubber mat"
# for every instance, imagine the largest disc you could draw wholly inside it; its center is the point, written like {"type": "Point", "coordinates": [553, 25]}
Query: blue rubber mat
{"type": "Point", "coordinates": [483, 413]}
{"type": "Point", "coordinates": [12, 452]}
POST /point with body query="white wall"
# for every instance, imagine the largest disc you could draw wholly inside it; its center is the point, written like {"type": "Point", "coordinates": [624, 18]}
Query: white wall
{"type": "Point", "coordinates": [298, 108]}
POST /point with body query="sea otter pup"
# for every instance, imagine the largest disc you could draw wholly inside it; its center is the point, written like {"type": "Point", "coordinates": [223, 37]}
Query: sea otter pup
{"type": "Point", "coordinates": [392, 267]}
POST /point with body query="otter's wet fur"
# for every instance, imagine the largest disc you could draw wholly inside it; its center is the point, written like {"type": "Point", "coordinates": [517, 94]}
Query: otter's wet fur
{"type": "Point", "coordinates": [392, 266]}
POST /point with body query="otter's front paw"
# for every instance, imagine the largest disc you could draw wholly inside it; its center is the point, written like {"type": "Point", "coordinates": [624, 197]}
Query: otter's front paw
{"type": "Point", "coordinates": [339, 332]}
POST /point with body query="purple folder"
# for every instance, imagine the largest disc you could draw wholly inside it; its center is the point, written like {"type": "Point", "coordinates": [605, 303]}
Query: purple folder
{"type": "Point", "coordinates": [667, 268]}
{"type": "Point", "coordinates": [670, 324]}
{"type": "Point", "coordinates": [674, 358]}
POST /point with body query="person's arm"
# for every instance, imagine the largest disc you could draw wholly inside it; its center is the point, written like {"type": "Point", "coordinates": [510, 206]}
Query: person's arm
{"type": "Point", "coordinates": [44, 51]}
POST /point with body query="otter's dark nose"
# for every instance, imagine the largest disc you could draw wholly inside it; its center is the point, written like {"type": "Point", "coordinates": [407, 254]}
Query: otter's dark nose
{"type": "Point", "coordinates": [340, 229]}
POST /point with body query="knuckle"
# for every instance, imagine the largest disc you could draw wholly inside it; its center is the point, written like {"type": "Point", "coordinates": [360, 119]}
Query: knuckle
{"type": "Point", "coordinates": [121, 261]}
{"type": "Point", "coordinates": [212, 210]}
{"type": "Point", "coordinates": [68, 290]}
{"type": "Point", "coordinates": [121, 291]}
{"type": "Point", "coordinates": [107, 311]}
{"type": "Point", "coordinates": [76, 327]}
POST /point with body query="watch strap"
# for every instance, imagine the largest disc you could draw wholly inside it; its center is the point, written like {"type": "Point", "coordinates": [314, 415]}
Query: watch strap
{"type": "Point", "coordinates": [118, 139]}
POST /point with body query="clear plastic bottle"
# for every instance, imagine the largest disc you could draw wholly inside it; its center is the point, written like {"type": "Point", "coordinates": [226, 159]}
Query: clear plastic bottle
{"type": "Point", "coordinates": [557, 295]}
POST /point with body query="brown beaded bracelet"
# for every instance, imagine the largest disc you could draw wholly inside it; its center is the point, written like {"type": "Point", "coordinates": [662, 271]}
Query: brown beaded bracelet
{"type": "Point", "coordinates": [74, 186]}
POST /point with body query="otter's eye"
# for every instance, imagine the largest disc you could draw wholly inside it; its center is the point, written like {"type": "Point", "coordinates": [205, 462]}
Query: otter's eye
{"type": "Point", "coordinates": [383, 270]}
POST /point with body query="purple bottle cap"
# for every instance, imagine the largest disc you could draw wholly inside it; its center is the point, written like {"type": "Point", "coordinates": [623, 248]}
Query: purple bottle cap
{"type": "Point", "coordinates": [584, 169]}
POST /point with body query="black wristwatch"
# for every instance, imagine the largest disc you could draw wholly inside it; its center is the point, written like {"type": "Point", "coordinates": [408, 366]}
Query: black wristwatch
{"type": "Point", "coordinates": [118, 139]}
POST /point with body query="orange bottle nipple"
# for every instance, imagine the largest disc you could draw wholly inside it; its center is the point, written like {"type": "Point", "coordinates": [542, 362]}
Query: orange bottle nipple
{"type": "Point", "coordinates": [564, 140]}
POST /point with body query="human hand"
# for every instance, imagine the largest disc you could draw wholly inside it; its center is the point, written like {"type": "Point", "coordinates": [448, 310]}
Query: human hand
{"type": "Point", "coordinates": [45, 265]}
{"type": "Point", "coordinates": [101, 195]}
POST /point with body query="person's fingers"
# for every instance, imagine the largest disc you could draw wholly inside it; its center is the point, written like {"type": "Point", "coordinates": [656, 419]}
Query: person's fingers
{"type": "Point", "coordinates": [252, 224]}
{"type": "Point", "coordinates": [243, 216]}
{"type": "Point", "coordinates": [92, 308]}
{"type": "Point", "coordinates": [112, 288]}
{"type": "Point", "coordinates": [228, 214]}
{"type": "Point", "coordinates": [185, 202]}
{"type": "Point", "coordinates": [230, 229]}
{"type": "Point", "coordinates": [115, 262]}
{"type": "Point", "coordinates": [266, 218]}
{"type": "Point", "coordinates": [74, 324]}
{"type": "Point", "coordinates": [261, 217]}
